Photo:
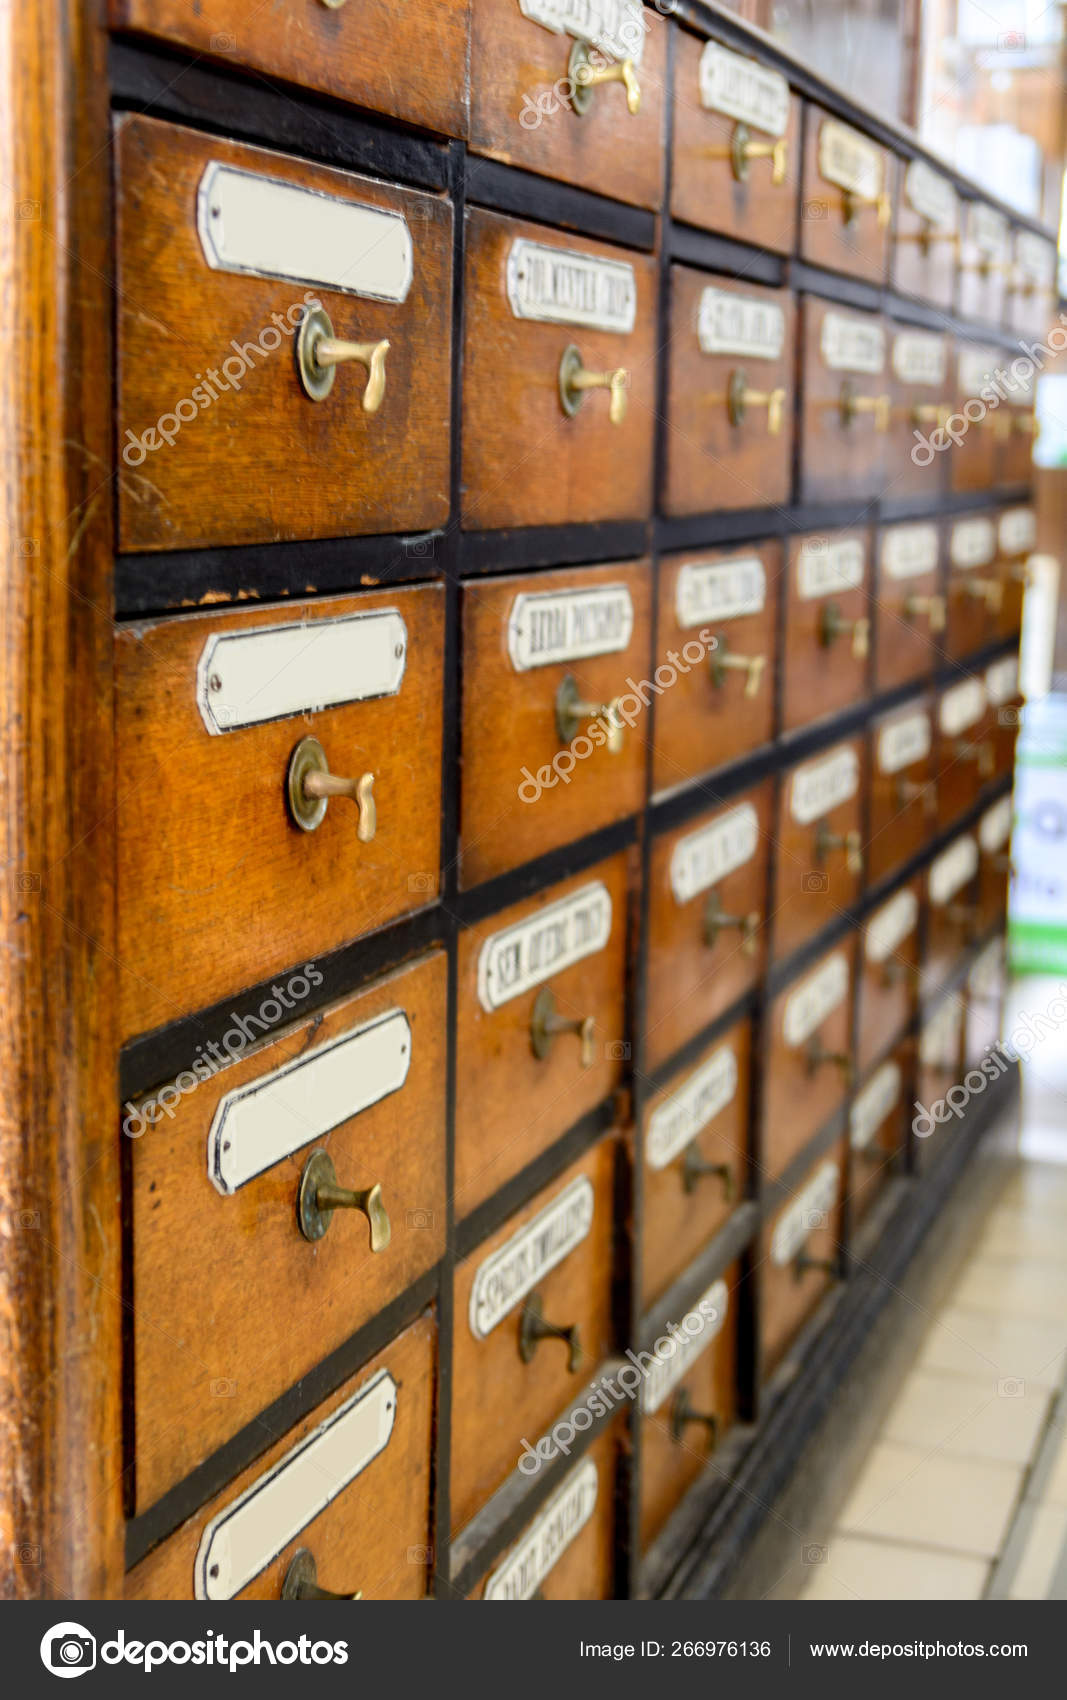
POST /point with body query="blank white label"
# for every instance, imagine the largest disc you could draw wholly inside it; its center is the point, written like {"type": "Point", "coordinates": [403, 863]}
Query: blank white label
{"type": "Point", "coordinates": [931, 195]}
{"type": "Point", "coordinates": [693, 1335]}
{"type": "Point", "coordinates": [270, 228]}
{"type": "Point", "coordinates": [569, 625]}
{"type": "Point", "coordinates": [244, 1538]}
{"type": "Point", "coordinates": [950, 871]}
{"type": "Point", "coordinates": [265, 673]}
{"type": "Point", "coordinates": [1035, 258]}
{"type": "Point", "coordinates": [909, 550]}
{"type": "Point", "coordinates": [720, 590]}
{"type": "Point", "coordinates": [919, 359]}
{"type": "Point", "coordinates": [525, 955]}
{"type": "Point", "coordinates": [962, 706]}
{"type": "Point", "coordinates": [994, 828]}
{"type": "Point", "coordinates": [889, 926]}
{"type": "Point", "coordinates": [547, 1538]}
{"type": "Point", "coordinates": [973, 543]}
{"type": "Point", "coordinates": [852, 345]}
{"type": "Point", "coordinates": [257, 1125]}
{"type": "Point", "coordinates": [1002, 681]}
{"type": "Point", "coordinates": [743, 325]}
{"type": "Point", "coordinates": [902, 742]}
{"type": "Point", "coordinates": [807, 1007]}
{"type": "Point", "coordinates": [975, 368]}
{"type": "Point", "coordinates": [690, 1108]}
{"type": "Point", "coordinates": [939, 1040]}
{"type": "Point", "coordinates": [702, 858]}
{"type": "Point", "coordinates": [820, 786]}
{"type": "Point", "coordinates": [742, 89]}
{"type": "Point", "coordinates": [986, 978]}
{"type": "Point", "coordinates": [505, 1278]}
{"type": "Point", "coordinates": [988, 230]}
{"type": "Point", "coordinates": [849, 159]}
{"type": "Point", "coordinates": [827, 567]}
{"type": "Point", "coordinates": [558, 286]}
{"type": "Point", "coordinates": [809, 1210]}
{"type": "Point", "coordinates": [873, 1104]}
{"type": "Point", "coordinates": [615, 27]}
{"type": "Point", "coordinates": [1017, 531]}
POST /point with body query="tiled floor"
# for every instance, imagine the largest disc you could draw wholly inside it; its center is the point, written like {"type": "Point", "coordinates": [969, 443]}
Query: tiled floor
{"type": "Point", "coordinates": [963, 1492]}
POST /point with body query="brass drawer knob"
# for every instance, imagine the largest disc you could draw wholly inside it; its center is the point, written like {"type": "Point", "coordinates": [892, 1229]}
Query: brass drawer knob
{"type": "Point", "coordinates": [302, 1577]}
{"type": "Point", "coordinates": [739, 398]}
{"type": "Point", "coordinates": [987, 590]}
{"type": "Point", "coordinates": [683, 1416]}
{"type": "Point", "coordinates": [695, 1168]}
{"type": "Point", "coordinates": [853, 203]}
{"type": "Point", "coordinates": [546, 1022]}
{"type": "Point", "coordinates": [319, 353]}
{"type": "Point", "coordinates": [310, 785]}
{"type": "Point", "coordinates": [584, 77]}
{"type": "Point", "coordinates": [816, 1055]}
{"type": "Point", "coordinates": [533, 1329]}
{"type": "Point", "coordinates": [980, 752]}
{"type": "Point", "coordinates": [926, 236]}
{"type": "Point", "coordinates": [802, 1263]}
{"type": "Point", "coordinates": [716, 920]}
{"type": "Point", "coordinates": [933, 607]}
{"type": "Point", "coordinates": [849, 842]}
{"type": "Point", "coordinates": [898, 973]}
{"type": "Point", "coordinates": [928, 413]}
{"type": "Point", "coordinates": [320, 1196]}
{"type": "Point", "coordinates": [572, 713]}
{"type": "Point", "coordinates": [724, 661]}
{"type": "Point", "coordinates": [575, 381]}
{"type": "Point", "coordinates": [832, 625]}
{"type": "Point", "coordinates": [851, 403]}
{"type": "Point", "coordinates": [743, 150]}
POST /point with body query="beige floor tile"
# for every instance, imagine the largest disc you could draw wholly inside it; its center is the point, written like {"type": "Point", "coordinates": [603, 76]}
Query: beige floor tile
{"type": "Point", "coordinates": [970, 1343]}
{"type": "Point", "coordinates": [1005, 1287]}
{"type": "Point", "coordinates": [887, 1570]}
{"type": "Point", "coordinates": [1056, 1488]}
{"type": "Point", "coordinates": [1047, 1537]}
{"type": "Point", "coordinates": [932, 1499]}
{"type": "Point", "coordinates": [975, 1419]}
{"type": "Point", "coordinates": [1041, 1187]}
{"type": "Point", "coordinates": [1016, 1232]}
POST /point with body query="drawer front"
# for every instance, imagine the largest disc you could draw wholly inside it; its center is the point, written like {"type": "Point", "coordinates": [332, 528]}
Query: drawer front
{"type": "Point", "coordinates": [985, 258]}
{"type": "Point", "coordinates": [878, 1129]}
{"type": "Point", "coordinates": [1032, 284]}
{"type": "Point", "coordinates": [820, 855]}
{"type": "Point", "coordinates": [809, 1067]}
{"type": "Point", "coordinates": [846, 200]}
{"type": "Point", "coordinates": [736, 156]}
{"type": "Point", "coordinates": [409, 63]}
{"type": "Point", "coordinates": [356, 1497]}
{"type": "Point", "coordinates": [706, 919]}
{"type": "Point", "coordinates": [975, 585]}
{"type": "Point", "coordinates": [695, 1145]}
{"type": "Point", "coordinates": [553, 1259]}
{"type": "Point", "coordinates": [553, 745]}
{"type": "Point", "coordinates": [848, 402]}
{"type": "Point", "coordinates": [921, 367]}
{"type": "Point", "coordinates": [909, 630]}
{"type": "Point", "coordinates": [543, 308]}
{"type": "Point", "coordinates": [799, 1240]}
{"type": "Point", "coordinates": [302, 458]}
{"type": "Point", "coordinates": [688, 1400]}
{"type": "Point", "coordinates": [828, 626]}
{"type": "Point", "coordinates": [952, 901]}
{"type": "Point", "coordinates": [231, 1174]}
{"type": "Point", "coordinates": [986, 985]}
{"type": "Point", "coordinates": [1016, 542]}
{"type": "Point", "coordinates": [889, 972]}
{"type": "Point", "coordinates": [927, 235]}
{"type": "Point", "coordinates": [730, 413]}
{"type": "Point", "coordinates": [903, 797]}
{"type": "Point", "coordinates": [993, 833]}
{"type": "Point", "coordinates": [964, 753]}
{"type": "Point", "coordinates": [940, 1071]}
{"type": "Point", "coordinates": [975, 431]}
{"type": "Point", "coordinates": [1004, 697]}
{"type": "Point", "coordinates": [227, 889]}
{"type": "Point", "coordinates": [539, 1024]}
{"type": "Point", "coordinates": [1017, 426]}
{"type": "Point", "coordinates": [722, 705]}
{"type": "Point", "coordinates": [566, 1552]}
{"type": "Point", "coordinates": [531, 107]}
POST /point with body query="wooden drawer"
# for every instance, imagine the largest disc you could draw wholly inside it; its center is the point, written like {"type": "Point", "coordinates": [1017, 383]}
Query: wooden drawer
{"type": "Point", "coordinates": [847, 403]}
{"type": "Point", "coordinates": [695, 1145]}
{"type": "Point", "coordinates": [720, 706]}
{"type": "Point", "coordinates": [952, 900]}
{"type": "Point", "coordinates": [926, 239]}
{"type": "Point", "coordinates": [1017, 426]}
{"type": "Point", "coordinates": [819, 862]}
{"type": "Point", "coordinates": [940, 1069]}
{"type": "Point", "coordinates": [567, 1552]}
{"type": "Point", "coordinates": [975, 431]}
{"type": "Point", "coordinates": [223, 1265]}
{"type": "Point", "coordinates": [706, 919]}
{"type": "Point", "coordinates": [730, 411]}
{"type": "Point", "coordinates": [846, 199]}
{"type": "Point", "coordinates": [537, 773]}
{"type": "Point", "coordinates": [688, 1400]}
{"type": "Point", "coordinates": [531, 107]}
{"type": "Point", "coordinates": [911, 612]}
{"type": "Point", "coordinates": [193, 299]}
{"type": "Point", "coordinates": [878, 1130]}
{"type": "Point", "coordinates": [975, 585]}
{"type": "Point", "coordinates": [1004, 696]}
{"type": "Point", "coordinates": [964, 754]}
{"type": "Point", "coordinates": [888, 973]}
{"type": "Point", "coordinates": [799, 1256]}
{"type": "Point", "coordinates": [903, 798]}
{"type": "Point", "coordinates": [1032, 284]}
{"type": "Point", "coordinates": [994, 877]}
{"type": "Point", "coordinates": [213, 714]}
{"type": "Point", "coordinates": [349, 1484]}
{"type": "Point", "coordinates": [984, 263]}
{"type": "Point", "coordinates": [736, 155]}
{"type": "Point", "coordinates": [409, 63]}
{"type": "Point", "coordinates": [828, 626]}
{"type": "Point", "coordinates": [1016, 541]}
{"type": "Point", "coordinates": [985, 988]}
{"type": "Point", "coordinates": [808, 1067]}
{"type": "Point", "coordinates": [542, 306]}
{"type": "Point", "coordinates": [920, 364]}
{"type": "Point", "coordinates": [553, 1258]}
{"type": "Point", "coordinates": [559, 957]}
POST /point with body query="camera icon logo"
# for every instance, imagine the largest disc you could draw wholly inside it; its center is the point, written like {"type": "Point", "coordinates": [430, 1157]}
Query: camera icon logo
{"type": "Point", "coordinates": [814, 883]}
{"type": "Point", "coordinates": [68, 1649]}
